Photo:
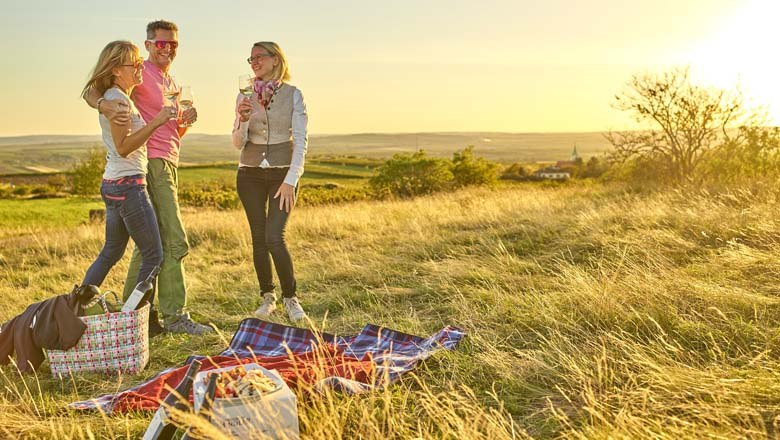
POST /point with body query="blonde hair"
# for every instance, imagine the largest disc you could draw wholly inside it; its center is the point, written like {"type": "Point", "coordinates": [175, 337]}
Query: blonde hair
{"type": "Point", "coordinates": [112, 56]}
{"type": "Point", "coordinates": [282, 70]}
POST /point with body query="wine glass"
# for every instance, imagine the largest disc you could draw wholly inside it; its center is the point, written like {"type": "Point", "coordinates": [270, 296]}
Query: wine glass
{"type": "Point", "coordinates": [186, 98]}
{"type": "Point", "coordinates": [246, 86]}
{"type": "Point", "coordinates": [170, 91]}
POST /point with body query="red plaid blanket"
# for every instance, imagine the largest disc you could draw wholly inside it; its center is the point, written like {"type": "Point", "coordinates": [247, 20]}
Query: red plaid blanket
{"type": "Point", "coordinates": [355, 364]}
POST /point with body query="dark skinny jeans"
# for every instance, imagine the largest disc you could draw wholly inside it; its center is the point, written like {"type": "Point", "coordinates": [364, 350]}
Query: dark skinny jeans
{"type": "Point", "coordinates": [129, 214]}
{"type": "Point", "coordinates": [256, 189]}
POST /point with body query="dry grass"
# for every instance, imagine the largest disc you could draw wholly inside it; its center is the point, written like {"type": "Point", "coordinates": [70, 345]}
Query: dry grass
{"type": "Point", "coordinates": [591, 313]}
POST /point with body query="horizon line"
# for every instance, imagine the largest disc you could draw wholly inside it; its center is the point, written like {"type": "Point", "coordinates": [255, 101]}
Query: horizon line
{"type": "Point", "coordinates": [337, 134]}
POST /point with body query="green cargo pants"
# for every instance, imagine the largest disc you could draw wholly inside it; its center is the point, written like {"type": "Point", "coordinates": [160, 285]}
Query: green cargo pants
{"type": "Point", "coordinates": [162, 183]}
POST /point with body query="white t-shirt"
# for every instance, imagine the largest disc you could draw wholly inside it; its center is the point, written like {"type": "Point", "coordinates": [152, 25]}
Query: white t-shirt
{"type": "Point", "coordinates": [135, 162]}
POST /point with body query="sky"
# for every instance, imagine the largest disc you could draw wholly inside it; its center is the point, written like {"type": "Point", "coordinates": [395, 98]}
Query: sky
{"type": "Point", "coordinates": [398, 66]}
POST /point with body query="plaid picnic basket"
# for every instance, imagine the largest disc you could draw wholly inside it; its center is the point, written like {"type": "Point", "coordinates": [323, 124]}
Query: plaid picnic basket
{"type": "Point", "coordinates": [112, 342]}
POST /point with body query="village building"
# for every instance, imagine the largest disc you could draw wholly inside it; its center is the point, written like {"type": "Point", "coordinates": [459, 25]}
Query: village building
{"type": "Point", "coordinates": [562, 168]}
{"type": "Point", "coordinates": [553, 173]}
{"type": "Point", "coordinates": [574, 160]}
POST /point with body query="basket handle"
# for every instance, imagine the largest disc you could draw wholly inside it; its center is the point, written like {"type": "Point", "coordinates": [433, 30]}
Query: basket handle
{"type": "Point", "coordinates": [102, 300]}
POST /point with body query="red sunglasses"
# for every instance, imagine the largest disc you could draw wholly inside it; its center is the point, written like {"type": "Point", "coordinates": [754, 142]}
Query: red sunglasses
{"type": "Point", "coordinates": [160, 44]}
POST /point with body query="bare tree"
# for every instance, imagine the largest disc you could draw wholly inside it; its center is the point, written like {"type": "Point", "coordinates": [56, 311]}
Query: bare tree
{"type": "Point", "coordinates": [681, 121]}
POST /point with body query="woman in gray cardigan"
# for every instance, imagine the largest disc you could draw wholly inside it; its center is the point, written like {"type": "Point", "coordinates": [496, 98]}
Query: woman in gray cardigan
{"type": "Point", "coordinates": [270, 131]}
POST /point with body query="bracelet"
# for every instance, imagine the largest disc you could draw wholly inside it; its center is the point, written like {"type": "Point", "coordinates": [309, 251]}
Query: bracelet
{"type": "Point", "coordinates": [97, 104]}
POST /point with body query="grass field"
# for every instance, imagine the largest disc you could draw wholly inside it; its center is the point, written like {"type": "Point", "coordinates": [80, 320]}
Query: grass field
{"type": "Point", "coordinates": [18, 215]}
{"type": "Point", "coordinates": [315, 172]}
{"type": "Point", "coordinates": [337, 170]}
{"type": "Point", "coordinates": [324, 182]}
{"type": "Point", "coordinates": [33, 154]}
{"type": "Point", "coordinates": [592, 313]}
{"type": "Point", "coordinates": [29, 217]}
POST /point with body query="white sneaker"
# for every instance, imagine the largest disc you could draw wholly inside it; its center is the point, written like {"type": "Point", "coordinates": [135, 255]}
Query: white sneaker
{"type": "Point", "coordinates": [268, 306]}
{"type": "Point", "coordinates": [294, 309]}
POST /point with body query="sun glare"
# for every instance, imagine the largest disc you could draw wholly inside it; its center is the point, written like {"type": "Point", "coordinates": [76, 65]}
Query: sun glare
{"type": "Point", "coordinates": [743, 52]}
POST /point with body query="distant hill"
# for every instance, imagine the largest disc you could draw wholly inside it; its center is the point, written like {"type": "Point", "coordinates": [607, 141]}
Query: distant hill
{"type": "Point", "coordinates": [32, 154]}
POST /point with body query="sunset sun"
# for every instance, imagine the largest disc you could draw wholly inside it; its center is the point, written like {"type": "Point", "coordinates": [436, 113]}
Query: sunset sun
{"type": "Point", "coordinates": [743, 53]}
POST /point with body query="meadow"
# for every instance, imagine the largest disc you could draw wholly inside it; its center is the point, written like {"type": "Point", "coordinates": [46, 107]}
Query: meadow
{"type": "Point", "coordinates": [39, 154]}
{"type": "Point", "coordinates": [317, 171]}
{"type": "Point", "coordinates": [19, 218]}
{"type": "Point", "coordinates": [592, 312]}
{"type": "Point", "coordinates": [326, 180]}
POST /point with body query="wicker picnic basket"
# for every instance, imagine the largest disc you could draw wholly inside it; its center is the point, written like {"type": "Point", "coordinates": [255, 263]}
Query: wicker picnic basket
{"type": "Point", "coordinates": [114, 342]}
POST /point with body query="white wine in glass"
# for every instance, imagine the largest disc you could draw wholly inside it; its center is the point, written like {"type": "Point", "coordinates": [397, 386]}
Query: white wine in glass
{"type": "Point", "coordinates": [186, 99]}
{"type": "Point", "coordinates": [246, 86]}
{"type": "Point", "coordinates": [170, 91]}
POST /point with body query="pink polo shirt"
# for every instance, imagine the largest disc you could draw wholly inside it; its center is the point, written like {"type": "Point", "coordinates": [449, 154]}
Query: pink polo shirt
{"type": "Point", "coordinates": [148, 99]}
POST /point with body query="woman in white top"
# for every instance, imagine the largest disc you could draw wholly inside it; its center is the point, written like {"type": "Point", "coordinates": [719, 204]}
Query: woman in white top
{"type": "Point", "coordinates": [129, 212]}
{"type": "Point", "coordinates": [270, 131]}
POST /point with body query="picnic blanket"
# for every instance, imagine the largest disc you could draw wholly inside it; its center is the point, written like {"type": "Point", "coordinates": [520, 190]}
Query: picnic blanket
{"type": "Point", "coordinates": [355, 364]}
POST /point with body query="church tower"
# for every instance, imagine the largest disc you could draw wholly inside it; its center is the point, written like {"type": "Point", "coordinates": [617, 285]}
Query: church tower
{"type": "Point", "coordinates": [574, 155]}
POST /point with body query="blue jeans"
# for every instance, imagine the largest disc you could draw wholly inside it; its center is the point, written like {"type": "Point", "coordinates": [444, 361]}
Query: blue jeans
{"type": "Point", "coordinates": [129, 213]}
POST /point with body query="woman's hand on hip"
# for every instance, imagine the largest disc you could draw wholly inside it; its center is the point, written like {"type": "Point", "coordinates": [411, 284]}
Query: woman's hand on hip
{"type": "Point", "coordinates": [286, 195]}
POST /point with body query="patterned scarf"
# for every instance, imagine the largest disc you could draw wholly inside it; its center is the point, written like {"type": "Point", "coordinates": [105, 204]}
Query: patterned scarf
{"type": "Point", "coordinates": [265, 90]}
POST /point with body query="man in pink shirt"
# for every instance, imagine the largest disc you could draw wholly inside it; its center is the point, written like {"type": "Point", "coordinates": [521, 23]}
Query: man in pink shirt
{"type": "Point", "coordinates": [162, 177]}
